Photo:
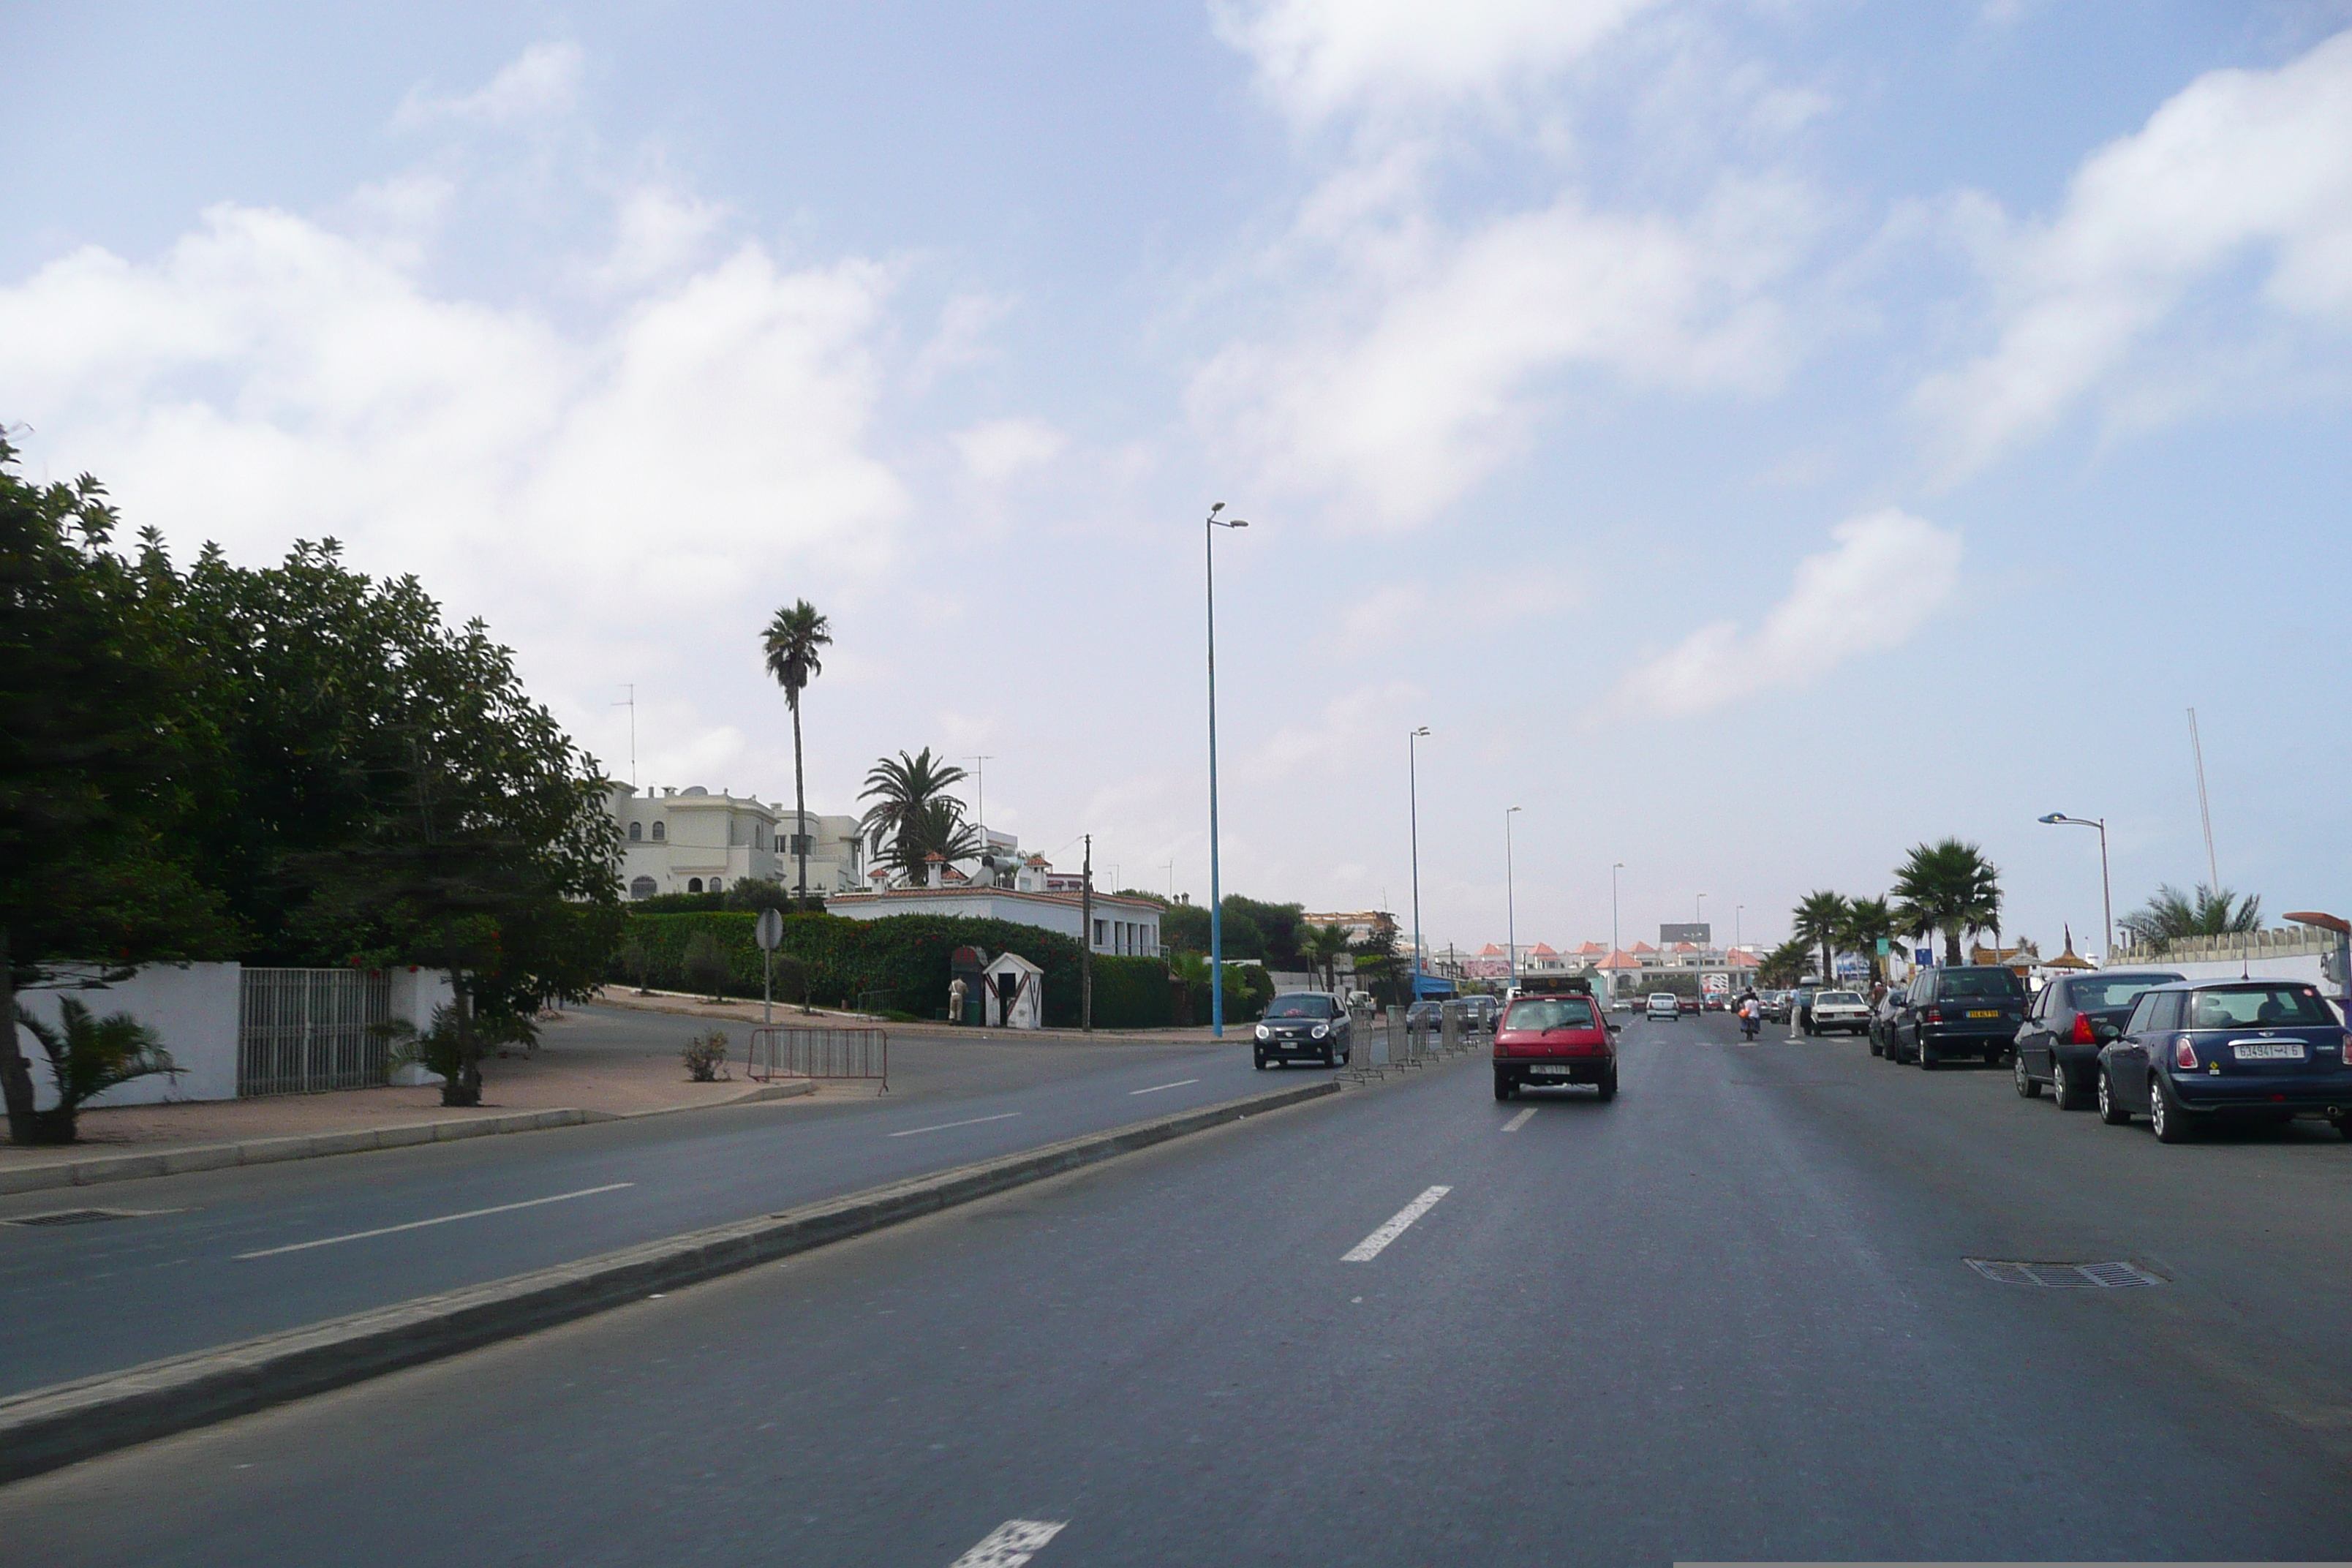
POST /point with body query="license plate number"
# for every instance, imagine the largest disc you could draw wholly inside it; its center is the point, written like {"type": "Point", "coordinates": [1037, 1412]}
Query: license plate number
{"type": "Point", "coordinates": [1985, 1013]}
{"type": "Point", "coordinates": [2269, 1051]}
{"type": "Point", "coordinates": [1551, 1072]}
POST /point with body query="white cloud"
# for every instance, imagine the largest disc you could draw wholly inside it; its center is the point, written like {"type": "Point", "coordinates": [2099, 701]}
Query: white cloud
{"type": "Point", "coordinates": [2239, 163]}
{"type": "Point", "coordinates": [544, 81]}
{"type": "Point", "coordinates": [965, 321]}
{"type": "Point", "coordinates": [1423, 376]}
{"type": "Point", "coordinates": [997, 449]}
{"type": "Point", "coordinates": [1888, 573]}
{"type": "Point", "coordinates": [1320, 57]}
{"type": "Point", "coordinates": [656, 233]}
{"type": "Point", "coordinates": [1346, 730]}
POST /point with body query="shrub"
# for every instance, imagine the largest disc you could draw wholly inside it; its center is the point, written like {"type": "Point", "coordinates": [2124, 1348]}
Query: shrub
{"type": "Point", "coordinates": [706, 1057]}
{"type": "Point", "coordinates": [638, 962]}
{"type": "Point", "coordinates": [88, 1057]}
{"type": "Point", "coordinates": [704, 965]}
{"type": "Point", "coordinates": [1132, 993]}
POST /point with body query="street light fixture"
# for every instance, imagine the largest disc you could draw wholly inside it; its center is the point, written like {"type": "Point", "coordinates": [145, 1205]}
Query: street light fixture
{"type": "Point", "coordinates": [1510, 903]}
{"type": "Point", "coordinates": [1216, 910]}
{"type": "Point", "coordinates": [1412, 809]}
{"type": "Point", "coordinates": [2106, 897]}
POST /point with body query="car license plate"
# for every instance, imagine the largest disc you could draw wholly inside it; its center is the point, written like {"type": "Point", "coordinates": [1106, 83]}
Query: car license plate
{"type": "Point", "coordinates": [1549, 1072]}
{"type": "Point", "coordinates": [1985, 1013]}
{"type": "Point", "coordinates": [2268, 1051]}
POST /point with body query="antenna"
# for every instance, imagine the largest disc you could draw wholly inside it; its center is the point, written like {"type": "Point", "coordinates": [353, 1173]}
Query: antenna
{"type": "Point", "coordinates": [632, 706]}
{"type": "Point", "coordinates": [979, 782]}
{"type": "Point", "coordinates": [2204, 811]}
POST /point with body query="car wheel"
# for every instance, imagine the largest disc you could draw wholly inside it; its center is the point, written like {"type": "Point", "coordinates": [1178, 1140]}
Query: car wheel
{"type": "Point", "coordinates": [1875, 1047]}
{"type": "Point", "coordinates": [2028, 1086]}
{"type": "Point", "coordinates": [2064, 1093]}
{"type": "Point", "coordinates": [1331, 1057]}
{"type": "Point", "coordinates": [1504, 1086]}
{"type": "Point", "coordinates": [2111, 1104]}
{"type": "Point", "coordinates": [1925, 1055]}
{"type": "Point", "coordinates": [2344, 1126]}
{"type": "Point", "coordinates": [1608, 1086]}
{"type": "Point", "coordinates": [1261, 1061]}
{"type": "Point", "coordinates": [1348, 1055]}
{"type": "Point", "coordinates": [2165, 1117]}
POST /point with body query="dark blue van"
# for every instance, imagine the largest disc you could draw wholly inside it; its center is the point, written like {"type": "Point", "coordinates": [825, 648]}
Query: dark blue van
{"type": "Point", "coordinates": [2193, 1053]}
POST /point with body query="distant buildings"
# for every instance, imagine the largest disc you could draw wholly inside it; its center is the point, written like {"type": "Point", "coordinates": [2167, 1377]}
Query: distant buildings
{"type": "Point", "coordinates": [1625, 970]}
{"type": "Point", "coordinates": [692, 841]}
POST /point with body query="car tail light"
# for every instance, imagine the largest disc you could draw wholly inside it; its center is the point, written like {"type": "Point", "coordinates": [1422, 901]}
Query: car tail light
{"type": "Point", "coordinates": [2184, 1055]}
{"type": "Point", "coordinates": [1933, 1014]}
{"type": "Point", "coordinates": [2082, 1034]}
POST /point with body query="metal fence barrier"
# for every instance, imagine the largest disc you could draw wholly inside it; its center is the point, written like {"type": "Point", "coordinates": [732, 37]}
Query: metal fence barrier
{"type": "Point", "coordinates": [785, 1051]}
{"type": "Point", "coordinates": [304, 1031]}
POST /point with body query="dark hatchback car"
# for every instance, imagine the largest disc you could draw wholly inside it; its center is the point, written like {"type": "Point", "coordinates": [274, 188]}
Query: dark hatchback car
{"type": "Point", "coordinates": [1305, 1026]}
{"type": "Point", "coordinates": [1546, 1042]}
{"type": "Point", "coordinates": [1967, 1010]}
{"type": "Point", "coordinates": [2194, 1054]}
{"type": "Point", "coordinates": [2058, 1044]}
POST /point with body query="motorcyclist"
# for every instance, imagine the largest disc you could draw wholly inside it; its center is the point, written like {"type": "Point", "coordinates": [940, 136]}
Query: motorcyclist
{"type": "Point", "coordinates": [1751, 1014]}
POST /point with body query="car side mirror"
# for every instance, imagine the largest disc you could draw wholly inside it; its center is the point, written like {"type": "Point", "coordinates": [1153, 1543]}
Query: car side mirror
{"type": "Point", "coordinates": [1616, 1028]}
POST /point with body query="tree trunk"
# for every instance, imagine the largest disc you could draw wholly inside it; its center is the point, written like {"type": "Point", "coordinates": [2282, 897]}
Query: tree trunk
{"type": "Point", "coordinates": [464, 1089]}
{"type": "Point", "coordinates": [800, 804]}
{"type": "Point", "coordinates": [16, 1072]}
{"type": "Point", "coordinates": [1952, 949]}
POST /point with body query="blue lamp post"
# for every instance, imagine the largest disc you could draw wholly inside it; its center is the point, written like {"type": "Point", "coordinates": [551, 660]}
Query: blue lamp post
{"type": "Point", "coordinates": [1216, 901]}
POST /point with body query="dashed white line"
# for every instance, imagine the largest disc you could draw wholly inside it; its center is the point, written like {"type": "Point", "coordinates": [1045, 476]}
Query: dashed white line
{"type": "Point", "coordinates": [443, 1219]}
{"type": "Point", "coordinates": [1521, 1120]}
{"type": "Point", "coordinates": [1011, 1544]}
{"type": "Point", "coordinates": [1398, 1223]}
{"type": "Point", "coordinates": [1156, 1088]}
{"type": "Point", "coordinates": [944, 1126]}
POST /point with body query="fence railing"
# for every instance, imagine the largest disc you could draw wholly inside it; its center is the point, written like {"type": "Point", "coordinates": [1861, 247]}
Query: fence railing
{"type": "Point", "coordinates": [787, 1051]}
{"type": "Point", "coordinates": [1395, 1039]}
{"type": "Point", "coordinates": [302, 1031]}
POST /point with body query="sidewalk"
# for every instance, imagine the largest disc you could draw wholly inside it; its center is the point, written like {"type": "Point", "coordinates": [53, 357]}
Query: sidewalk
{"type": "Point", "coordinates": [684, 1004]}
{"type": "Point", "coordinates": [559, 1085]}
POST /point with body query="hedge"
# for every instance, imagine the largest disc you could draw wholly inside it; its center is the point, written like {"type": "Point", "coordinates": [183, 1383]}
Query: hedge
{"type": "Point", "coordinates": [908, 957]}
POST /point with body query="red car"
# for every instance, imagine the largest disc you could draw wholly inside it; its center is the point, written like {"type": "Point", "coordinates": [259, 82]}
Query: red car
{"type": "Point", "coordinates": [1546, 1041]}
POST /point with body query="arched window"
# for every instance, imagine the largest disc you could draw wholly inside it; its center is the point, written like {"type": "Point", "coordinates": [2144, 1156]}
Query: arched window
{"type": "Point", "coordinates": [637, 831]}
{"type": "Point", "coordinates": [643, 887]}
{"type": "Point", "coordinates": [694, 884]}
{"type": "Point", "coordinates": [658, 834]}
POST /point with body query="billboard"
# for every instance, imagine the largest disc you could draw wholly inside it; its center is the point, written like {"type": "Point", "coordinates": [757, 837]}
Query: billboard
{"type": "Point", "coordinates": [1701, 934]}
{"type": "Point", "coordinates": [1715, 984]}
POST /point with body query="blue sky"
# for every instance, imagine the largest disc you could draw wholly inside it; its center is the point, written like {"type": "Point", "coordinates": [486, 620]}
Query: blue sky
{"type": "Point", "coordinates": [1754, 436]}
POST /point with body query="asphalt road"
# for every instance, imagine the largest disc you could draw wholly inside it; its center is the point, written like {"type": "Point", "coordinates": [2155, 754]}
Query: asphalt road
{"type": "Point", "coordinates": [1727, 1317]}
{"type": "Point", "coordinates": [86, 1298]}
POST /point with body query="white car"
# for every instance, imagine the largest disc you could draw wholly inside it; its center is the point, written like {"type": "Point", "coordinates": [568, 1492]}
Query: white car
{"type": "Point", "coordinates": [1665, 1004]}
{"type": "Point", "coordinates": [1840, 1010]}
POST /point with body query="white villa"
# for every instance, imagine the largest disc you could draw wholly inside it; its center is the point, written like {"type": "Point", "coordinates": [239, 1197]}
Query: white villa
{"type": "Point", "coordinates": [692, 841]}
{"type": "Point", "coordinates": [1038, 897]}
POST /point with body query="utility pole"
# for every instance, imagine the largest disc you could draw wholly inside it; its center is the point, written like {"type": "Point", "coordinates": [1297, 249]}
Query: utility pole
{"type": "Point", "coordinates": [1216, 891]}
{"type": "Point", "coordinates": [1087, 940]}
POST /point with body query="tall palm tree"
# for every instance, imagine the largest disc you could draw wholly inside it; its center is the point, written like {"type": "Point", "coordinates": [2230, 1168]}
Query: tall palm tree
{"type": "Point", "coordinates": [2170, 915]}
{"type": "Point", "coordinates": [795, 641]}
{"type": "Point", "coordinates": [1820, 918]}
{"type": "Point", "coordinates": [1321, 946]}
{"type": "Point", "coordinates": [903, 791]}
{"type": "Point", "coordinates": [1785, 964]}
{"type": "Point", "coordinates": [1948, 887]}
{"type": "Point", "coordinates": [1868, 923]}
{"type": "Point", "coordinates": [939, 828]}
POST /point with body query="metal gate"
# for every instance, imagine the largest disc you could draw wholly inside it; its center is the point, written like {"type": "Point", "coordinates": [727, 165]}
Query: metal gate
{"type": "Point", "coordinates": [300, 1031]}
{"type": "Point", "coordinates": [785, 1052]}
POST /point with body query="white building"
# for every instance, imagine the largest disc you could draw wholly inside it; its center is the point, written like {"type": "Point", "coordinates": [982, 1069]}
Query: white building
{"type": "Point", "coordinates": [692, 841]}
{"type": "Point", "coordinates": [1120, 925]}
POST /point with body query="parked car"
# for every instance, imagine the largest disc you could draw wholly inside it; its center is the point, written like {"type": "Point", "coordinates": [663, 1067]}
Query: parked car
{"type": "Point", "coordinates": [1717, 1002]}
{"type": "Point", "coordinates": [1843, 1010]}
{"type": "Point", "coordinates": [1967, 1010]}
{"type": "Point", "coordinates": [1882, 1023]}
{"type": "Point", "coordinates": [1547, 1042]}
{"type": "Point", "coordinates": [2059, 1043]}
{"type": "Point", "coordinates": [1304, 1025]}
{"type": "Point", "coordinates": [1621, 1004]}
{"type": "Point", "coordinates": [1800, 1007]}
{"type": "Point", "coordinates": [1776, 1006]}
{"type": "Point", "coordinates": [1480, 1012]}
{"type": "Point", "coordinates": [1688, 1003]}
{"type": "Point", "coordinates": [1664, 1005]}
{"type": "Point", "coordinates": [2195, 1053]}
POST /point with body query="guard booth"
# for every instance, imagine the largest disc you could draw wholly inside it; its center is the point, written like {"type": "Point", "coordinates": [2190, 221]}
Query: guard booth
{"type": "Point", "coordinates": [1016, 992]}
{"type": "Point", "coordinates": [969, 964]}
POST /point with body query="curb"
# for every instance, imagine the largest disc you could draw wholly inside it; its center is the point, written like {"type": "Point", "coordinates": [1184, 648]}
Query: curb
{"type": "Point", "coordinates": [69, 1422]}
{"type": "Point", "coordinates": [317, 1145]}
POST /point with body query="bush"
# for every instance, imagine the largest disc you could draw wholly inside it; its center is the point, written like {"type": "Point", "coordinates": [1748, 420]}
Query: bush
{"type": "Point", "coordinates": [704, 965]}
{"type": "Point", "coordinates": [1132, 993]}
{"type": "Point", "coordinates": [706, 1057]}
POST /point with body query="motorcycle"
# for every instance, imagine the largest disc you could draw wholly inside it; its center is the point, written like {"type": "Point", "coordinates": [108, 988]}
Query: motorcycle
{"type": "Point", "coordinates": [1749, 1023]}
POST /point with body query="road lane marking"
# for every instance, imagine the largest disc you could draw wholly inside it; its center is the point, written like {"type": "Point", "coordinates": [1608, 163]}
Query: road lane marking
{"type": "Point", "coordinates": [1521, 1120]}
{"type": "Point", "coordinates": [1369, 1247]}
{"type": "Point", "coordinates": [1156, 1088]}
{"type": "Point", "coordinates": [441, 1219]}
{"type": "Point", "coordinates": [1009, 1545]}
{"type": "Point", "coordinates": [944, 1126]}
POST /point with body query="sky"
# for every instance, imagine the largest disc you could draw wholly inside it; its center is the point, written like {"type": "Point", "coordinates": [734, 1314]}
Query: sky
{"type": "Point", "coordinates": [1753, 435]}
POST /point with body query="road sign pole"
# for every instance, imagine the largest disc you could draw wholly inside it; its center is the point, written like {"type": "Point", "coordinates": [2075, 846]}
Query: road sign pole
{"type": "Point", "coordinates": [769, 931]}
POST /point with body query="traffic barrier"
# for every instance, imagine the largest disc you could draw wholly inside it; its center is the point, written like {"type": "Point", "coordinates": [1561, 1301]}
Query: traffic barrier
{"type": "Point", "coordinates": [791, 1051]}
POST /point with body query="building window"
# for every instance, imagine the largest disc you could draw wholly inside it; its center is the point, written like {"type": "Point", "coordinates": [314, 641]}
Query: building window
{"type": "Point", "coordinates": [1102, 933]}
{"type": "Point", "coordinates": [694, 884]}
{"type": "Point", "coordinates": [658, 834]}
{"type": "Point", "coordinates": [637, 831]}
{"type": "Point", "coordinates": [643, 887]}
{"type": "Point", "coordinates": [800, 843]}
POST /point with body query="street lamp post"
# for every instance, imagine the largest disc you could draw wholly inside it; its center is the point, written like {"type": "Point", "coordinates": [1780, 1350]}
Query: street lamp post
{"type": "Point", "coordinates": [2106, 895]}
{"type": "Point", "coordinates": [1412, 810]}
{"type": "Point", "coordinates": [1216, 911]}
{"type": "Point", "coordinates": [1736, 910]}
{"type": "Point", "coordinates": [1615, 948]}
{"type": "Point", "coordinates": [1510, 903]}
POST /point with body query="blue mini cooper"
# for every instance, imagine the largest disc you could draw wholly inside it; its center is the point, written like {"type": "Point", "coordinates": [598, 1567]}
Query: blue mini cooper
{"type": "Point", "coordinates": [2193, 1053]}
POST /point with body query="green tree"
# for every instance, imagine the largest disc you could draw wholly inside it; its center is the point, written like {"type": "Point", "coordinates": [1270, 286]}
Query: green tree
{"type": "Point", "coordinates": [1785, 965]}
{"type": "Point", "coordinates": [2170, 915]}
{"type": "Point", "coordinates": [1948, 887]}
{"type": "Point", "coordinates": [795, 639]}
{"type": "Point", "coordinates": [1323, 946]}
{"type": "Point", "coordinates": [88, 1057]}
{"type": "Point", "coordinates": [1820, 917]}
{"type": "Point", "coordinates": [1184, 927]}
{"type": "Point", "coordinates": [1869, 922]}
{"type": "Point", "coordinates": [905, 792]}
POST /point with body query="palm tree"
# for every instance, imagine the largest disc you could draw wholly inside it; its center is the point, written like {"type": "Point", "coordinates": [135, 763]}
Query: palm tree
{"type": "Point", "coordinates": [1868, 923]}
{"type": "Point", "coordinates": [1785, 964]}
{"type": "Point", "coordinates": [1321, 946]}
{"type": "Point", "coordinates": [1821, 918]}
{"type": "Point", "coordinates": [938, 828]}
{"type": "Point", "coordinates": [1948, 887]}
{"type": "Point", "coordinates": [795, 641]}
{"type": "Point", "coordinates": [901, 792]}
{"type": "Point", "coordinates": [2170, 915]}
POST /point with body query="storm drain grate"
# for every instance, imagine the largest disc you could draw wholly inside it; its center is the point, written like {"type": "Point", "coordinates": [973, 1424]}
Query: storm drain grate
{"type": "Point", "coordinates": [73, 1217]}
{"type": "Point", "coordinates": [2065, 1276]}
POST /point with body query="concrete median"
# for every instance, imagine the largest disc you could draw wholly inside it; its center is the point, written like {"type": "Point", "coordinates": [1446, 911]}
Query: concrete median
{"type": "Point", "coordinates": [58, 1426]}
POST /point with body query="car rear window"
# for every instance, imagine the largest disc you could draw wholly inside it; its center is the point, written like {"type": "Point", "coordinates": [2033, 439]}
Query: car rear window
{"type": "Point", "coordinates": [1301, 1007]}
{"type": "Point", "coordinates": [1843, 997]}
{"type": "Point", "coordinates": [1551, 1013]}
{"type": "Point", "coordinates": [2257, 1006]}
{"type": "Point", "coordinates": [2106, 995]}
{"type": "Point", "coordinates": [1960, 984]}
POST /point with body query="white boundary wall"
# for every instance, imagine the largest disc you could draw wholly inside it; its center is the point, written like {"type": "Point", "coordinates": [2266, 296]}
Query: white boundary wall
{"type": "Point", "coordinates": [194, 1009]}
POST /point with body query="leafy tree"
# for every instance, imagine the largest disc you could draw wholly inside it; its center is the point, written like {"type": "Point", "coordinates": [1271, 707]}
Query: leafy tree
{"type": "Point", "coordinates": [1378, 968]}
{"type": "Point", "coordinates": [1867, 922]}
{"type": "Point", "coordinates": [904, 792]}
{"type": "Point", "coordinates": [88, 1057]}
{"type": "Point", "coordinates": [1277, 929]}
{"type": "Point", "coordinates": [2170, 915]}
{"type": "Point", "coordinates": [794, 640]}
{"type": "Point", "coordinates": [1785, 965]}
{"type": "Point", "coordinates": [705, 965]}
{"type": "Point", "coordinates": [1821, 918]}
{"type": "Point", "coordinates": [1184, 927]}
{"type": "Point", "coordinates": [1948, 887]}
{"type": "Point", "coordinates": [1323, 946]}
